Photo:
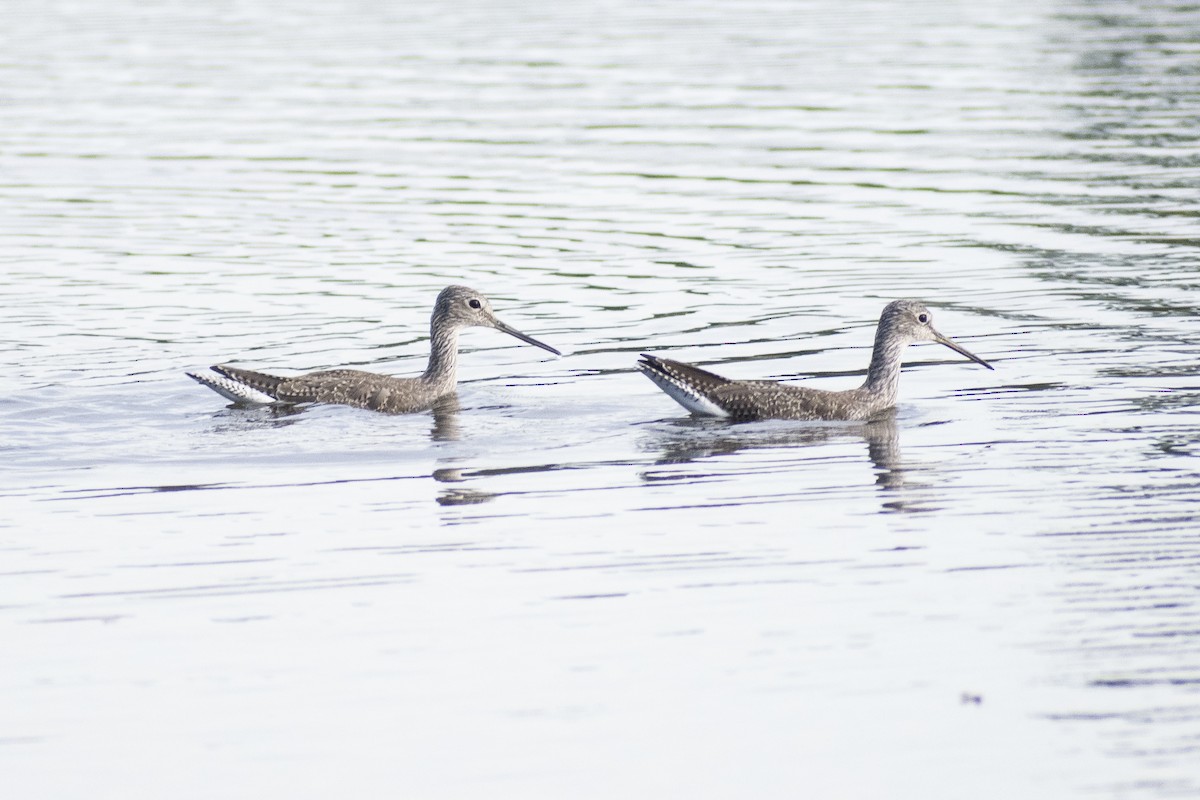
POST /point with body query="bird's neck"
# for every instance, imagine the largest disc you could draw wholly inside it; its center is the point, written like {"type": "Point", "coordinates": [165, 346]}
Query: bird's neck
{"type": "Point", "coordinates": [443, 357]}
{"type": "Point", "coordinates": [883, 376]}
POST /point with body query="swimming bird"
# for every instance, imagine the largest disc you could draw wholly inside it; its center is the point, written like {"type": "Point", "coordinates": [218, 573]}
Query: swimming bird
{"type": "Point", "coordinates": [903, 322]}
{"type": "Point", "coordinates": [457, 307]}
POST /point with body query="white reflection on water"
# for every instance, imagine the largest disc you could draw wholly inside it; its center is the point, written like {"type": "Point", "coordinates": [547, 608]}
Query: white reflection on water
{"type": "Point", "coordinates": [565, 586]}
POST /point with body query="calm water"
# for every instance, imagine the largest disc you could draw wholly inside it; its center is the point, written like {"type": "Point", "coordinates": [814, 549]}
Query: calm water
{"type": "Point", "coordinates": [568, 588]}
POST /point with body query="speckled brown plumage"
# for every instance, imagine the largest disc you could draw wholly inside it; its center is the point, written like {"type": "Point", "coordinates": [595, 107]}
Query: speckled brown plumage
{"type": "Point", "coordinates": [347, 387]}
{"type": "Point", "coordinates": [701, 392]}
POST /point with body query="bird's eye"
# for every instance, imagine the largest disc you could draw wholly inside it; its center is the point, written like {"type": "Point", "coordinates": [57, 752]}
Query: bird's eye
{"type": "Point", "coordinates": [474, 303]}
{"type": "Point", "coordinates": [923, 318]}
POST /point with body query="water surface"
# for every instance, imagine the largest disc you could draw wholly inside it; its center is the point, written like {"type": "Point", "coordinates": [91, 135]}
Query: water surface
{"type": "Point", "coordinates": [568, 587]}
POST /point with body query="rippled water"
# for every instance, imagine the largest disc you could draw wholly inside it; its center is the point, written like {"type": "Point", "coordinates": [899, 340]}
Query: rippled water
{"type": "Point", "coordinates": [568, 587]}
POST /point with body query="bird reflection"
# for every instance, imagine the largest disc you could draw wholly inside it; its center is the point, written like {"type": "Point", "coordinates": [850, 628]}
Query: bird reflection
{"type": "Point", "coordinates": [458, 495]}
{"type": "Point", "coordinates": [697, 439]}
{"type": "Point", "coordinates": [241, 418]}
{"type": "Point", "coordinates": [445, 420]}
{"type": "Point", "coordinates": [234, 418]}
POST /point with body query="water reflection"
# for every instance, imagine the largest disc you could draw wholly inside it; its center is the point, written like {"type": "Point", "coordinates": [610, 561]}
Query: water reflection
{"type": "Point", "coordinates": [459, 495]}
{"type": "Point", "coordinates": [235, 417]}
{"type": "Point", "coordinates": [689, 440]}
{"type": "Point", "coordinates": [445, 420]}
{"type": "Point", "coordinates": [464, 497]}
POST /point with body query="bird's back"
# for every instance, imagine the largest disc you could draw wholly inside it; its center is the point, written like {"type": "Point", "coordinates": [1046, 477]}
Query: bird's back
{"type": "Point", "coordinates": [704, 392]}
{"type": "Point", "coordinates": [769, 400]}
{"type": "Point", "coordinates": [349, 387]}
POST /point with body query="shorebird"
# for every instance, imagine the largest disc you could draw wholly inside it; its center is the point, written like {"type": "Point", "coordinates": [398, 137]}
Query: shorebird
{"type": "Point", "coordinates": [457, 307]}
{"type": "Point", "coordinates": [903, 322]}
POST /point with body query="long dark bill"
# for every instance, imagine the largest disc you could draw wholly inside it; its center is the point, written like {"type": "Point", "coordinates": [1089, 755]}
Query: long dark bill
{"type": "Point", "coordinates": [500, 326]}
{"type": "Point", "coordinates": [960, 349]}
